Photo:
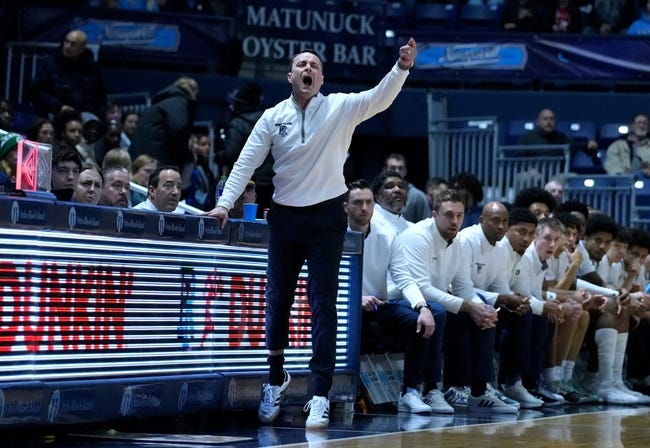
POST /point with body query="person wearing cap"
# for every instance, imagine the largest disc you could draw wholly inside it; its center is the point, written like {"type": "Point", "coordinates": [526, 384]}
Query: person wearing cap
{"type": "Point", "coordinates": [246, 108]}
{"type": "Point", "coordinates": [69, 79]}
{"type": "Point", "coordinates": [8, 156]}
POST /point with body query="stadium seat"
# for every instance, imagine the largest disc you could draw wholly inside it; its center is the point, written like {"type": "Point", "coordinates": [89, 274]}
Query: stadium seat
{"type": "Point", "coordinates": [479, 17]}
{"type": "Point", "coordinates": [582, 163]}
{"type": "Point", "coordinates": [589, 182]}
{"type": "Point", "coordinates": [610, 132]}
{"type": "Point", "coordinates": [642, 191]}
{"type": "Point", "coordinates": [578, 130]}
{"type": "Point", "coordinates": [435, 16]}
{"type": "Point", "coordinates": [515, 128]}
{"type": "Point", "coordinates": [394, 14]}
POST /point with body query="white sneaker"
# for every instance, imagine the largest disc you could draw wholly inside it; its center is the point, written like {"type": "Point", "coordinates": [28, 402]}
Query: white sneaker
{"type": "Point", "coordinates": [509, 401]}
{"type": "Point", "coordinates": [319, 412]}
{"type": "Point", "coordinates": [519, 393]}
{"type": "Point", "coordinates": [488, 402]}
{"type": "Point", "coordinates": [641, 399]}
{"type": "Point", "coordinates": [437, 403]}
{"type": "Point", "coordinates": [612, 395]}
{"type": "Point", "coordinates": [457, 397]}
{"type": "Point", "coordinates": [271, 396]}
{"type": "Point", "coordinates": [412, 402]}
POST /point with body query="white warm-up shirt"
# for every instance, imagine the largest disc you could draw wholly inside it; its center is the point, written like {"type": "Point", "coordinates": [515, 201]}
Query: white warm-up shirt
{"type": "Point", "coordinates": [438, 266]}
{"type": "Point", "coordinates": [309, 146]}
{"type": "Point", "coordinates": [487, 264]}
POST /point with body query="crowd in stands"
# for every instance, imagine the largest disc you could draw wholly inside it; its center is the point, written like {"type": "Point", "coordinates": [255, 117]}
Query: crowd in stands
{"type": "Point", "coordinates": [554, 16]}
{"type": "Point", "coordinates": [569, 279]}
{"type": "Point", "coordinates": [100, 150]}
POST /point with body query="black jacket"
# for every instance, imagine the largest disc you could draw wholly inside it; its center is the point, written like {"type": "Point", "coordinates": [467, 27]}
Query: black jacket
{"type": "Point", "coordinates": [75, 82]}
{"type": "Point", "coordinates": [165, 127]}
{"type": "Point", "coordinates": [236, 133]}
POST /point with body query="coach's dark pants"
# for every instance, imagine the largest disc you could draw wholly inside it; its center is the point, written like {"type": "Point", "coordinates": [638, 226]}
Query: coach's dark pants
{"type": "Point", "coordinates": [313, 234]}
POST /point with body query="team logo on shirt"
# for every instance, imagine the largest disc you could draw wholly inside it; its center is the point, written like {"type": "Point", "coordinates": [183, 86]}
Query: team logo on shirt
{"type": "Point", "coordinates": [283, 128]}
{"type": "Point", "coordinates": [479, 267]}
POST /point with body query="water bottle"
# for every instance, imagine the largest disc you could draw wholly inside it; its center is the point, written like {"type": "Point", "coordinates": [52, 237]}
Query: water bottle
{"type": "Point", "coordinates": [219, 190]}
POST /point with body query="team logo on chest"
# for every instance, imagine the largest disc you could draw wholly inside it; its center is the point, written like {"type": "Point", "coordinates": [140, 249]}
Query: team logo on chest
{"type": "Point", "coordinates": [283, 128]}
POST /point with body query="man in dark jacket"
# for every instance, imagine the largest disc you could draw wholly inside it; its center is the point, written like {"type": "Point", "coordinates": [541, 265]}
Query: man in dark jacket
{"type": "Point", "coordinates": [164, 129]}
{"type": "Point", "coordinates": [246, 106]}
{"type": "Point", "coordinates": [545, 133]}
{"type": "Point", "coordinates": [69, 79]}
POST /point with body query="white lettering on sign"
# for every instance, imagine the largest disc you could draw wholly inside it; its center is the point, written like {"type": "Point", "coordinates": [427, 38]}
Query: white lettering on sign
{"type": "Point", "coordinates": [309, 20]}
{"type": "Point", "coordinates": [260, 43]}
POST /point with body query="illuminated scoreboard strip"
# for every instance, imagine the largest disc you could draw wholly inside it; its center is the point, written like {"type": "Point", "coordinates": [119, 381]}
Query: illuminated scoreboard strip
{"type": "Point", "coordinates": [83, 307]}
{"type": "Point", "coordinates": [110, 313]}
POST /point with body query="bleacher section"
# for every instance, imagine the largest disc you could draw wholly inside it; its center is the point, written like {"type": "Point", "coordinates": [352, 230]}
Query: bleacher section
{"type": "Point", "coordinates": [459, 144]}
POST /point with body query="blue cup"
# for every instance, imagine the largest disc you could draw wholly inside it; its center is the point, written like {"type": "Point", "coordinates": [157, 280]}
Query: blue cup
{"type": "Point", "coordinates": [250, 212]}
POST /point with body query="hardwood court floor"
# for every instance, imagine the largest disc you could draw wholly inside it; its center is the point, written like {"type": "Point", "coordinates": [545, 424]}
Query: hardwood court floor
{"type": "Point", "coordinates": [597, 426]}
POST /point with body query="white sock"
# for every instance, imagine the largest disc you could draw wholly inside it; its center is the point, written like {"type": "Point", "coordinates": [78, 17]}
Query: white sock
{"type": "Point", "coordinates": [567, 370]}
{"type": "Point", "coordinates": [619, 357]}
{"type": "Point", "coordinates": [606, 343]}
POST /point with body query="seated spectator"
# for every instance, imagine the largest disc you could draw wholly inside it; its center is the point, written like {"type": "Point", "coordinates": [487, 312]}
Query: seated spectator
{"type": "Point", "coordinates": [92, 132]}
{"type": "Point", "coordinates": [8, 156]}
{"type": "Point", "coordinates": [562, 16]}
{"type": "Point", "coordinates": [89, 186]}
{"type": "Point", "coordinates": [537, 200]}
{"type": "Point", "coordinates": [641, 26]}
{"type": "Point", "coordinates": [436, 262]}
{"type": "Point", "coordinates": [612, 16]}
{"type": "Point", "coordinates": [117, 157]}
{"type": "Point", "coordinates": [560, 278]}
{"type": "Point", "coordinates": [113, 112]}
{"type": "Point", "coordinates": [545, 133]}
{"type": "Point", "coordinates": [200, 193]}
{"type": "Point", "coordinates": [69, 79]}
{"type": "Point", "coordinates": [470, 188]}
{"type": "Point", "coordinates": [389, 189]}
{"type": "Point", "coordinates": [520, 16]}
{"type": "Point", "coordinates": [110, 140]}
{"type": "Point", "coordinates": [631, 152]}
{"type": "Point", "coordinates": [164, 191]}
{"type": "Point", "coordinates": [249, 196]}
{"type": "Point", "coordinates": [68, 130]}
{"type": "Point", "coordinates": [141, 170]}
{"type": "Point", "coordinates": [130, 121]}
{"type": "Point", "coordinates": [409, 317]}
{"type": "Point", "coordinates": [66, 165]}
{"type": "Point", "coordinates": [115, 191]}
{"type": "Point", "coordinates": [6, 113]}
{"type": "Point", "coordinates": [434, 186]}
{"type": "Point", "coordinates": [528, 280]}
{"type": "Point", "coordinates": [556, 189]}
{"type": "Point", "coordinates": [417, 206]}
{"type": "Point", "coordinates": [40, 130]}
